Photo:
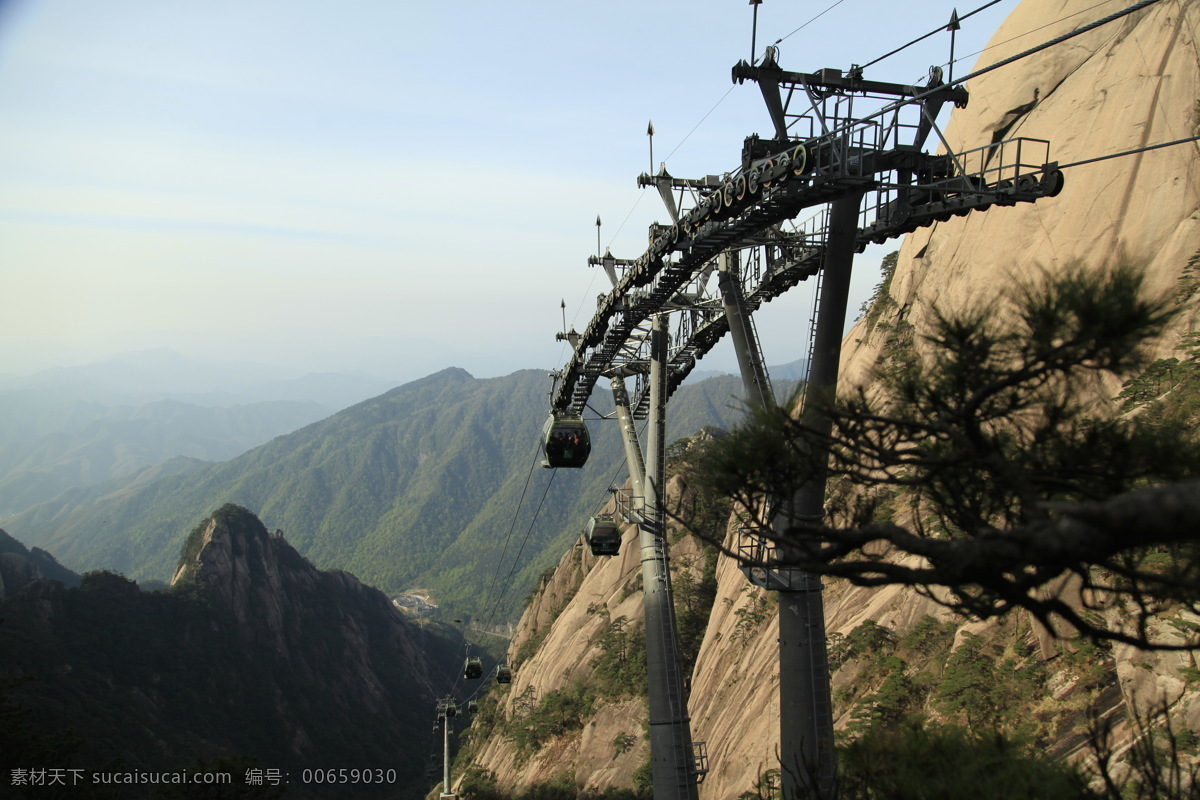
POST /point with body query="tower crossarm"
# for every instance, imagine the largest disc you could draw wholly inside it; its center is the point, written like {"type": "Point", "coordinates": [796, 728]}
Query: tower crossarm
{"type": "Point", "coordinates": [824, 151]}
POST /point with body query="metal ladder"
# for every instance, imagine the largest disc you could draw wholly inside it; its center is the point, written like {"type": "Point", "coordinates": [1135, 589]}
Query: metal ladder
{"type": "Point", "coordinates": [752, 329]}
{"type": "Point", "coordinates": [818, 283]}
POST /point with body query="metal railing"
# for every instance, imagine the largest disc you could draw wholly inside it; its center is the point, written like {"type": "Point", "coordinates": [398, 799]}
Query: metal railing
{"type": "Point", "coordinates": [759, 560]}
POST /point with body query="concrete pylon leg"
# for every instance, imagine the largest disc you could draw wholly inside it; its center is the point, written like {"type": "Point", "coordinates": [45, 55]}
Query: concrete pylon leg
{"type": "Point", "coordinates": [633, 450]}
{"type": "Point", "coordinates": [745, 344]}
{"type": "Point", "coordinates": [808, 765]}
{"type": "Point", "coordinates": [671, 763]}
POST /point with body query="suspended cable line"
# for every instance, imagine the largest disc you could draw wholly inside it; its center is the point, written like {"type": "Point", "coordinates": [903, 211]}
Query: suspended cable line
{"type": "Point", "coordinates": [497, 597]}
{"type": "Point", "coordinates": [1132, 152]}
{"type": "Point", "coordinates": [627, 216]}
{"type": "Point", "coordinates": [811, 21]}
{"type": "Point", "coordinates": [892, 107]}
{"type": "Point", "coordinates": [1032, 30]}
{"type": "Point", "coordinates": [524, 540]}
{"type": "Point", "coordinates": [508, 537]}
{"type": "Point", "coordinates": [937, 30]}
{"type": "Point", "coordinates": [1058, 40]}
{"type": "Point", "coordinates": [698, 124]}
{"type": "Point", "coordinates": [668, 158]}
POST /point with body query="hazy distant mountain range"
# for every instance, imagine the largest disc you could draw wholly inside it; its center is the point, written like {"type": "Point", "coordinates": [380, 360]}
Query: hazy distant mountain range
{"type": "Point", "coordinates": [431, 484]}
{"type": "Point", "coordinates": [80, 426]}
{"type": "Point", "coordinates": [147, 375]}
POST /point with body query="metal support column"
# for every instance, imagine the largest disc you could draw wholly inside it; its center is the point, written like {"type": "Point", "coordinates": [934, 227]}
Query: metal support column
{"type": "Point", "coordinates": [671, 758]}
{"type": "Point", "coordinates": [656, 433]}
{"type": "Point", "coordinates": [807, 761]}
{"type": "Point", "coordinates": [446, 793]}
{"type": "Point", "coordinates": [633, 450]}
{"type": "Point", "coordinates": [741, 331]}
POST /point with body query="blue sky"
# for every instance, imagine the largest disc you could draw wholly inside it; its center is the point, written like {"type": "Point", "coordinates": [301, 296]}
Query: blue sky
{"type": "Point", "coordinates": [389, 186]}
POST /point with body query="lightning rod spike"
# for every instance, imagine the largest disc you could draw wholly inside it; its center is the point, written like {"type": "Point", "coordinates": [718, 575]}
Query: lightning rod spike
{"type": "Point", "coordinates": [650, 134]}
{"type": "Point", "coordinates": [754, 31]}
{"type": "Point", "coordinates": [953, 27]}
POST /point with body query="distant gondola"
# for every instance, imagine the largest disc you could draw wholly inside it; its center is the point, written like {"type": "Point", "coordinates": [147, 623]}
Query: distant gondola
{"type": "Point", "coordinates": [473, 668]}
{"type": "Point", "coordinates": [503, 674]}
{"type": "Point", "coordinates": [472, 707]}
{"type": "Point", "coordinates": [565, 442]}
{"type": "Point", "coordinates": [451, 709]}
{"type": "Point", "coordinates": [604, 536]}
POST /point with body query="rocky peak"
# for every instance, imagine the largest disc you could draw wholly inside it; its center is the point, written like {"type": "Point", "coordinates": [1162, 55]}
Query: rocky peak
{"type": "Point", "coordinates": [276, 596]}
{"type": "Point", "coordinates": [248, 570]}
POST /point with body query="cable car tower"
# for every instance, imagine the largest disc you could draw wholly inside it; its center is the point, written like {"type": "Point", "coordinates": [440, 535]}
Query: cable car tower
{"type": "Point", "coordinates": [446, 710]}
{"type": "Point", "coordinates": [853, 150]}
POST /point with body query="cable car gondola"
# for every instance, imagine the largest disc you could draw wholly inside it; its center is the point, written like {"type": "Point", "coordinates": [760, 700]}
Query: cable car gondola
{"type": "Point", "coordinates": [604, 536]}
{"type": "Point", "coordinates": [565, 442]}
{"type": "Point", "coordinates": [472, 707]}
{"type": "Point", "coordinates": [503, 674]}
{"type": "Point", "coordinates": [451, 710]}
{"type": "Point", "coordinates": [473, 668]}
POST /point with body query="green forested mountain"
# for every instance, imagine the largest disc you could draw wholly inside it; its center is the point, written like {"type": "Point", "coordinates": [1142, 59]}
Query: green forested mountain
{"type": "Point", "coordinates": [417, 488]}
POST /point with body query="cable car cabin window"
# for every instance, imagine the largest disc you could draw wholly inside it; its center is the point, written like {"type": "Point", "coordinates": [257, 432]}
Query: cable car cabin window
{"type": "Point", "coordinates": [604, 536]}
{"type": "Point", "coordinates": [565, 443]}
{"type": "Point", "coordinates": [473, 669]}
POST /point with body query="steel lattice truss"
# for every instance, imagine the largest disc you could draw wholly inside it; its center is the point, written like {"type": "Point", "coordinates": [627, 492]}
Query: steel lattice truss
{"type": "Point", "coordinates": [835, 135]}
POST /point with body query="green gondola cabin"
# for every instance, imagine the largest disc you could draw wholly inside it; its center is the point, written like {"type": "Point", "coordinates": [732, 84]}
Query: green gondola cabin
{"type": "Point", "coordinates": [604, 536]}
{"type": "Point", "coordinates": [565, 443]}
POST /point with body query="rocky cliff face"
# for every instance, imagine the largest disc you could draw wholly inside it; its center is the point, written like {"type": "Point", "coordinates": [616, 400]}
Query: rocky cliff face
{"type": "Point", "coordinates": [571, 624]}
{"type": "Point", "coordinates": [1122, 86]}
{"type": "Point", "coordinates": [552, 649]}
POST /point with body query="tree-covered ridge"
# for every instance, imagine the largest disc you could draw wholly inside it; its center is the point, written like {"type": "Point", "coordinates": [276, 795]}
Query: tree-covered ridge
{"type": "Point", "coordinates": [420, 486]}
{"type": "Point", "coordinates": [19, 564]}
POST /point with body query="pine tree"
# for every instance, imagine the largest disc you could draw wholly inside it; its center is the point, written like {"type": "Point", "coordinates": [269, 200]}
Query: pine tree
{"type": "Point", "coordinates": [978, 449]}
